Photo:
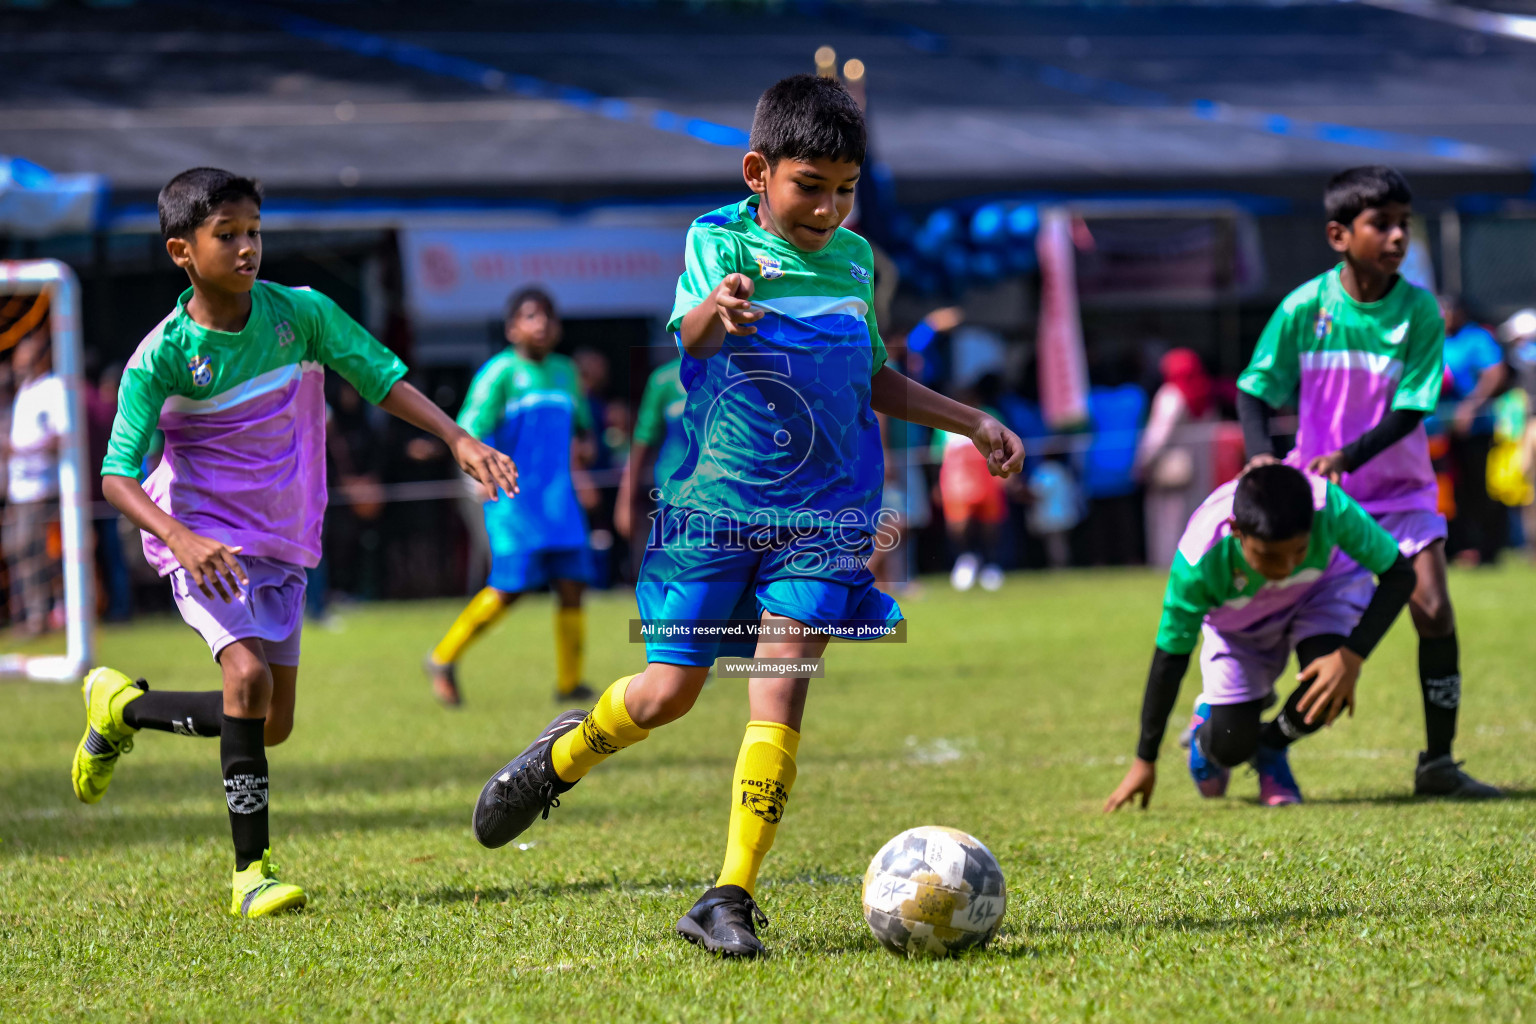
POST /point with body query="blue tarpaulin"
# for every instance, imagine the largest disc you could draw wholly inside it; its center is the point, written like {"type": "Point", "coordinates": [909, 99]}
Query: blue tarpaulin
{"type": "Point", "coordinates": [36, 203]}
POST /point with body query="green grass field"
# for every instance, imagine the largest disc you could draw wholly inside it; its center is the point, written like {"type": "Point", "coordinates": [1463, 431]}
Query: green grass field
{"type": "Point", "coordinates": [1010, 716]}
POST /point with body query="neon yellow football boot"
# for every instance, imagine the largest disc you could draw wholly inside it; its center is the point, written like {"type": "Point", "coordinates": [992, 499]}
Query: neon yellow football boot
{"type": "Point", "coordinates": [107, 737]}
{"type": "Point", "coordinates": [259, 893]}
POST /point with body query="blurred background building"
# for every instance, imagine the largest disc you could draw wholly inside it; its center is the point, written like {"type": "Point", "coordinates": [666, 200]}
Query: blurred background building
{"type": "Point", "coordinates": [423, 161]}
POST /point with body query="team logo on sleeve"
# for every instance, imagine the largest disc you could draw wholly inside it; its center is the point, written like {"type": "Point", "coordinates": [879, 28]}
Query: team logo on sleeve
{"type": "Point", "coordinates": [1324, 324]}
{"type": "Point", "coordinates": [859, 273]}
{"type": "Point", "coordinates": [284, 332]}
{"type": "Point", "coordinates": [769, 267]}
{"type": "Point", "coordinates": [202, 370]}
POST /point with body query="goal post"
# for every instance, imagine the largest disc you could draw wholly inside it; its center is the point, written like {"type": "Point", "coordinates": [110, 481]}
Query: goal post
{"type": "Point", "coordinates": [58, 283]}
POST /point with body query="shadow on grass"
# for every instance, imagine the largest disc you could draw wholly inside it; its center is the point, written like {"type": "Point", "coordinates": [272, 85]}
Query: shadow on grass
{"type": "Point", "coordinates": [1030, 942]}
{"type": "Point", "coordinates": [448, 895]}
{"type": "Point", "coordinates": [1402, 799]}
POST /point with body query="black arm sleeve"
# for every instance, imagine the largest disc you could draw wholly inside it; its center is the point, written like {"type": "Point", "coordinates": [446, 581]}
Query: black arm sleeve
{"type": "Point", "coordinates": [1162, 693]}
{"type": "Point", "coordinates": [1393, 589]}
{"type": "Point", "coordinates": [1253, 413]}
{"type": "Point", "coordinates": [1394, 426]}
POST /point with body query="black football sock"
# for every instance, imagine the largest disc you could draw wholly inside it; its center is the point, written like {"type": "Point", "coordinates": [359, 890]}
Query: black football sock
{"type": "Point", "coordinates": [1440, 681]}
{"type": "Point", "coordinates": [243, 750]}
{"type": "Point", "coordinates": [186, 713]}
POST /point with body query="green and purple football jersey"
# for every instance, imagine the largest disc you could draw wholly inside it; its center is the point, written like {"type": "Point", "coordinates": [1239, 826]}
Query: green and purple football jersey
{"type": "Point", "coordinates": [779, 423]}
{"type": "Point", "coordinates": [1211, 583]}
{"type": "Point", "coordinates": [244, 420]}
{"type": "Point", "coordinates": [1353, 362]}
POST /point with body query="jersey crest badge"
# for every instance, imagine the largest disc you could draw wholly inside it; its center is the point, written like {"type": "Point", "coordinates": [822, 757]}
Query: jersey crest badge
{"type": "Point", "coordinates": [769, 267]}
{"type": "Point", "coordinates": [285, 335]}
{"type": "Point", "coordinates": [859, 273]}
{"type": "Point", "coordinates": [202, 370]}
{"type": "Point", "coordinates": [1324, 324]}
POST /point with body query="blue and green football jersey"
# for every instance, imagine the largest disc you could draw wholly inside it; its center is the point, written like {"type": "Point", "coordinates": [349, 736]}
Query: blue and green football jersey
{"type": "Point", "coordinates": [529, 411]}
{"type": "Point", "coordinates": [779, 423]}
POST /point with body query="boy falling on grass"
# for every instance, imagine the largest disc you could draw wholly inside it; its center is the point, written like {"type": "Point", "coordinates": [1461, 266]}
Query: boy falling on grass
{"type": "Point", "coordinates": [526, 401]}
{"type": "Point", "coordinates": [1270, 562]}
{"type": "Point", "coordinates": [235, 379]}
{"type": "Point", "coordinates": [1365, 351]}
{"type": "Point", "coordinates": [771, 515]}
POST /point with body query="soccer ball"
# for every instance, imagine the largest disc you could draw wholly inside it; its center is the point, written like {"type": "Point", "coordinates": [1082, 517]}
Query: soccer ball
{"type": "Point", "coordinates": [933, 891]}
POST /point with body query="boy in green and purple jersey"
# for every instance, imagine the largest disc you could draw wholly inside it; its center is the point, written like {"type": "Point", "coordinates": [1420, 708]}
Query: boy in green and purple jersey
{"type": "Point", "coordinates": [1271, 562]}
{"type": "Point", "coordinates": [234, 377]}
{"type": "Point", "coordinates": [1364, 349]}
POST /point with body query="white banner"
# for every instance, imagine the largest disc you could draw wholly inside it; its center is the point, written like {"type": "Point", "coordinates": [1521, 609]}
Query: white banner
{"type": "Point", "coordinates": [463, 276]}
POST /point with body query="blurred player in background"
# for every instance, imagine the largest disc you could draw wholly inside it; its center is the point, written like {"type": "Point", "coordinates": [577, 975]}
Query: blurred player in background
{"type": "Point", "coordinates": [1256, 574]}
{"type": "Point", "coordinates": [1517, 368]}
{"type": "Point", "coordinates": [1480, 527]}
{"type": "Point", "coordinates": [783, 367]}
{"type": "Point", "coordinates": [660, 444]}
{"type": "Point", "coordinates": [974, 500]}
{"type": "Point", "coordinates": [1365, 350]}
{"type": "Point", "coordinates": [234, 376]}
{"type": "Point", "coordinates": [39, 423]}
{"type": "Point", "coordinates": [527, 403]}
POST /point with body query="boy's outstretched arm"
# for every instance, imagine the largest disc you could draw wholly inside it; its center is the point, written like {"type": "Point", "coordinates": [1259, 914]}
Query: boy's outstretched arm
{"type": "Point", "coordinates": [1392, 428]}
{"type": "Point", "coordinates": [210, 563]}
{"type": "Point", "coordinates": [1163, 680]}
{"type": "Point", "coordinates": [727, 310]}
{"type": "Point", "coordinates": [1254, 413]}
{"type": "Point", "coordinates": [487, 465]}
{"type": "Point", "coordinates": [904, 398]}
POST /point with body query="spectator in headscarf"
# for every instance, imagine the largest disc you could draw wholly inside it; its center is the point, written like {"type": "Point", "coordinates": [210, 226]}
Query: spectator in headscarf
{"type": "Point", "coordinates": [1173, 457]}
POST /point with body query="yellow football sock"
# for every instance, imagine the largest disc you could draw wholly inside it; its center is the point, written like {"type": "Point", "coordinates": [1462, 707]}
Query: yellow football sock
{"type": "Point", "coordinates": [483, 609]}
{"type": "Point", "coordinates": [570, 636]}
{"type": "Point", "coordinates": [765, 772]}
{"type": "Point", "coordinates": [607, 730]}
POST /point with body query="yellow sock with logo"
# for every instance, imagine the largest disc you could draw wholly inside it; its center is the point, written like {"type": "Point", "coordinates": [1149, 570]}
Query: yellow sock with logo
{"type": "Point", "coordinates": [570, 637]}
{"type": "Point", "coordinates": [483, 609]}
{"type": "Point", "coordinates": [765, 773]}
{"type": "Point", "coordinates": [607, 730]}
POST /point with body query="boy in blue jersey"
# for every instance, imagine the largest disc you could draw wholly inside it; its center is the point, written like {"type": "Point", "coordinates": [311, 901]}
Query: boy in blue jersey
{"type": "Point", "coordinates": [526, 402]}
{"type": "Point", "coordinates": [771, 514]}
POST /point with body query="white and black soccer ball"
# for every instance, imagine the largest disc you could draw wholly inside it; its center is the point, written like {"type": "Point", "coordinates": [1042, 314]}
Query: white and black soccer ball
{"type": "Point", "coordinates": [934, 891]}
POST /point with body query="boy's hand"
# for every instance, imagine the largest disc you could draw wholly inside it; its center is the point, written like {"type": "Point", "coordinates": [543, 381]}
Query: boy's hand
{"type": "Point", "coordinates": [1330, 466]}
{"type": "Point", "coordinates": [1141, 778]}
{"type": "Point", "coordinates": [1002, 447]}
{"type": "Point", "coordinates": [208, 561]}
{"type": "Point", "coordinates": [487, 465]}
{"type": "Point", "coordinates": [1265, 459]}
{"type": "Point", "coordinates": [1333, 677]}
{"type": "Point", "coordinates": [733, 304]}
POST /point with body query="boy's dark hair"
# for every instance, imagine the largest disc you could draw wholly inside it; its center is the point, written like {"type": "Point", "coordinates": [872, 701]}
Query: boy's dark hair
{"type": "Point", "coordinates": [1350, 193]}
{"type": "Point", "coordinates": [531, 293]}
{"type": "Point", "coordinates": [189, 198]}
{"type": "Point", "coordinates": [808, 117]}
{"type": "Point", "coordinates": [1273, 502]}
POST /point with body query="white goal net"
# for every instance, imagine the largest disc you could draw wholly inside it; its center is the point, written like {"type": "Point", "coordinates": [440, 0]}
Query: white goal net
{"type": "Point", "coordinates": [49, 564]}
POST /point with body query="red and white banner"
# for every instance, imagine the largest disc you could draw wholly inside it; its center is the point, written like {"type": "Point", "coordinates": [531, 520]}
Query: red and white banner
{"type": "Point", "coordinates": [467, 275]}
{"type": "Point", "coordinates": [1062, 362]}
